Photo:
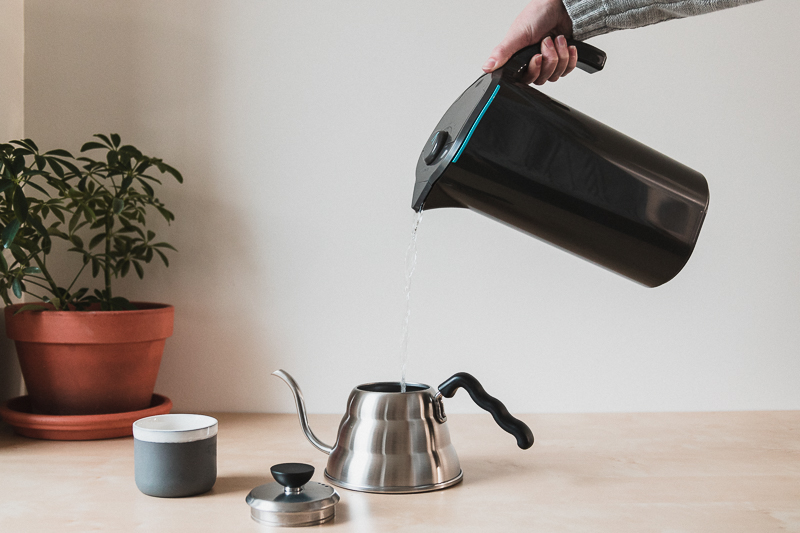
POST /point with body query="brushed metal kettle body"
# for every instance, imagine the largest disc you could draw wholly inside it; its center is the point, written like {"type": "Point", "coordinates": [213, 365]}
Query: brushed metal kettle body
{"type": "Point", "coordinates": [398, 442]}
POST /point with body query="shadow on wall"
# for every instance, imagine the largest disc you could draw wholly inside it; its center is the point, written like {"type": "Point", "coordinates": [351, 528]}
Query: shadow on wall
{"type": "Point", "coordinates": [153, 73]}
{"type": "Point", "coordinates": [10, 375]}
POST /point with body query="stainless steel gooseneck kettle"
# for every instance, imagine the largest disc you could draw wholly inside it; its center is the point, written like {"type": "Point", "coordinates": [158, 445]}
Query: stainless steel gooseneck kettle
{"type": "Point", "coordinates": [507, 151]}
{"type": "Point", "coordinates": [398, 442]}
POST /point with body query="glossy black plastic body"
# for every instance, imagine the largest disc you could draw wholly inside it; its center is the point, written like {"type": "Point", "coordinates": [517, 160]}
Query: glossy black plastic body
{"type": "Point", "coordinates": [524, 159]}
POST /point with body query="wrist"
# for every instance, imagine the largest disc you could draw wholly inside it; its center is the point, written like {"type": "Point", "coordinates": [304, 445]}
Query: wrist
{"type": "Point", "coordinates": [588, 17]}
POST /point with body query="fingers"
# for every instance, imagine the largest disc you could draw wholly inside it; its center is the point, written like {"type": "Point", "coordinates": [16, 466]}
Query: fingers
{"type": "Point", "coordinates": [562, 55]}
{"type": "Point", "coordinates": [573, 60]}
{"type": "Point", "coordinates": [556, 60]}
{"type": "Point", "coordinates": [514, 41]}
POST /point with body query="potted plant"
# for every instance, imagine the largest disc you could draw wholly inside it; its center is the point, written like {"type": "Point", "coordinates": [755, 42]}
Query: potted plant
{"type": "Point", "coordinates": [82, 351]}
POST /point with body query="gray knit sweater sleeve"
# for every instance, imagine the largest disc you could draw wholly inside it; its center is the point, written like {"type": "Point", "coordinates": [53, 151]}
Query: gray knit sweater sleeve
{"type": "Point", "coordinates": [595, 17]}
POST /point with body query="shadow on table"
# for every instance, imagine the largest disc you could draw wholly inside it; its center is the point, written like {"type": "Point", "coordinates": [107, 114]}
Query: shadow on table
{"type": "Point", "coordinates": [226, 484]}
{"type": "Point", "coordinates": [491, 468]}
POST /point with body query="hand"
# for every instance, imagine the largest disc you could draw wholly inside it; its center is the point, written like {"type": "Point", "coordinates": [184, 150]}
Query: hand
{"type": "Point", "coordinates": [539, 21]}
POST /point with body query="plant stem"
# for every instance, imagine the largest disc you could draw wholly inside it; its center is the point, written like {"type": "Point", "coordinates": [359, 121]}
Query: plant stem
{"type": "Point", "coordinates": [38, 285]}
{"type": "Point", "coordinates": [76, 277]}
{"type": "Point", "coordinates": [40, 298]}
{"type": "Point", "coordinates": [46, 274]}
{"type": "Point", "coordinates": [107, 263]}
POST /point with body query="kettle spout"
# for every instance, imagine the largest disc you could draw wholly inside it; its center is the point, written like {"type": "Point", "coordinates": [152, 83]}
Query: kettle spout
{"type": "Point", "coordinates": [301, 412]}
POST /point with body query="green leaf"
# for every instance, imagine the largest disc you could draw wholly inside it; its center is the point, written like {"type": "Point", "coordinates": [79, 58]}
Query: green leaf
{"type": "Point", "coordinates": [163, 257]}
{"type": "Point", "coordinates": [16, 286]}
{"type": "Point", "coordinates": [147, 188]}
{"type": "Point", "coordinates": [95, 267]}
{"type": "Point", "coordinates": [9, 232]}
{"type": "Point", "coordinates": [142, 167]}
{"type": "Point", "coordinates": [20, 205]}
{"type": "Point", "coordinates": [73, 222]}
{"type": "Point", "coordinates": [165, 245]}
{"type": "Point", "coordinates": [40, 162]}
{"type": "Point", "coordinates": [126, 183]}
{"type": "Point", "coordinates": [101, 136]}
{"type": "Point", "coordinates": [32, 270]}
{"type": "Point", "coordinates": [132, 150]}
{"type": "Point", "coordinates": [5, 184]}
{"type": "Point", "coordinates": [174, 172]}
{"type": "Point", "coordinates": [139, 269]}
{"type": "Point", "coordinates": [31, 144]}
{"type": "Point", "coordinates": [115, 140]}
{"type": "Point", "coordinates": [17, 164]}
{"type": "Point", "coordinates": [3, 263]}
{"type": "Point", "coordinates": [56, 167]}
{"type": "Point", "coordinates": [41, 190]}
{"type": "Point", "coordinates": [52, 230]}
{"type": "Point", "coordinates": [119, 303]}
{"type": "Point", "coordinates": [25, 148]}
{"type": "Point", "coordinates": [89, 214]}
{"type": "Point", "coordinates": [126, 266]}
{"type": "Point", "coordinates": [39, 227]}
{"type": "Point", "coordinates": [72, 168]}
{"type": "Point", "coordinates": [31, 307]}
{"type": "Point", "coordinates": [165, 213]}
{"type": "Point", "coordinates": [91, 145]}
{"type": "Point", "coordinates": [97, 239]}
{"type": "Point", "coordinates": [112, 157]}
{"type": "Point", "coordinates": [117, 205]}
{"type": "Point", "coordinates": [59, 152]}
{"type": "Point", "coordinates": [58, 213]}
{"type": "Point", "coordinates": [18, 253]}
{"type": "Point", "coordinates": [77, 241]}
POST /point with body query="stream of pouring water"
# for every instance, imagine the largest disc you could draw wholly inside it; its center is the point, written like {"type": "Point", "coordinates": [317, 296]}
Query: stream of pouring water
{"type": "Point", "coordinates": [411, 264]}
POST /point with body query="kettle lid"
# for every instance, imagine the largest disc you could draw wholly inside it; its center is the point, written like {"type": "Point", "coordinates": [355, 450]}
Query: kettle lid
{"type": "Point", "coordinates": [293, 500]}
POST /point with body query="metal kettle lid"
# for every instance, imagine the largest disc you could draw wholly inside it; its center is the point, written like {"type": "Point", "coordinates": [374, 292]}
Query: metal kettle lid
{"type": "Point", "coordinates": [292, 500]}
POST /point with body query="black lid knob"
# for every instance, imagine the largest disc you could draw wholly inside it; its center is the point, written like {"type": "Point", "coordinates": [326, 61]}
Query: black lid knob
{"type": "Point", "coordinates": [292, 475]}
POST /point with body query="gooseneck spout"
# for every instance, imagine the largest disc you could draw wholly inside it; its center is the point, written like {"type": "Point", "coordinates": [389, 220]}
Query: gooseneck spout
{"type": "Point", "coordinates": [301, 412]}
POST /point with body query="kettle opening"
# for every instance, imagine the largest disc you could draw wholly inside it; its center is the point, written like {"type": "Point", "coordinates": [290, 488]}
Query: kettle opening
{"type": "Point", "coordinates": [392, 386]}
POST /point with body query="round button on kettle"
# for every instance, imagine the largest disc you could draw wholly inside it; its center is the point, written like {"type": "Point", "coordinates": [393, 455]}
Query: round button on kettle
{"type": "Point", "coordinates": [435, 147]}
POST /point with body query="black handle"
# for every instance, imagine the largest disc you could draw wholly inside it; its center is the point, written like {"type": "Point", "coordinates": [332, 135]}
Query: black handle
{"type": "Point", "coordinates": [590, 59]}
{"type": "Point", "coordinates": [292, 475]}
{"type": "Point", "coordinates": [489, 403]}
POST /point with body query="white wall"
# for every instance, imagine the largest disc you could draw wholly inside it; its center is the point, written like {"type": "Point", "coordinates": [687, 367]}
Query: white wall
{"type": "Point", "coordinates": [297, 126]}
{"type": "Point", "coordinates": [12, 54]}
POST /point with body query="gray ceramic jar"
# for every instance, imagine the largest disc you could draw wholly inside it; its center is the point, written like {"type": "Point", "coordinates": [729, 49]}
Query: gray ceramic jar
{"type": "Point", "coordinates": [175, 455]}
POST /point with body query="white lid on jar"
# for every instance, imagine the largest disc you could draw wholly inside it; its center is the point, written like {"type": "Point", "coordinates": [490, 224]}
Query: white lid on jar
{"type": "Point", "coordinates": [175, 428]}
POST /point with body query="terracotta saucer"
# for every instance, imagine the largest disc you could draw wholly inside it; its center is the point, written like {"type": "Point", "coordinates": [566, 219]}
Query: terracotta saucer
{"type": "Point", "coordinates": [17, 413]}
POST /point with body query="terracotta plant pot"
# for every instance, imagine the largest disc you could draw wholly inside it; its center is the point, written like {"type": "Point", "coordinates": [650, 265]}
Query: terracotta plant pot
{"type": "Point", "coordinates": [90, 362]}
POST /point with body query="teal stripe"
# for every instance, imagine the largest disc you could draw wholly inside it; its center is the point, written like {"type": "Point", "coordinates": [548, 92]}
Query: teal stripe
{"type": "Point", "coordinates": [475, 125]}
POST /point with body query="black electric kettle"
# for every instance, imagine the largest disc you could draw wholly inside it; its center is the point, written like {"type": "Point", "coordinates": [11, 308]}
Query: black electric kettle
{"type": "Point", "coordinates": [508, 151]}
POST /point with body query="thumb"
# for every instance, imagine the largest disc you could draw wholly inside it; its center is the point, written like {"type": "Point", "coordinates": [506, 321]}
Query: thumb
{"type": "Point", "coordinates": [515, 40]}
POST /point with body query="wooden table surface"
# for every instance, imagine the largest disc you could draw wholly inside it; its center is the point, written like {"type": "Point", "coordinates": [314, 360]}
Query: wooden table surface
{"type": "Point", "coordinates": [667, 472]}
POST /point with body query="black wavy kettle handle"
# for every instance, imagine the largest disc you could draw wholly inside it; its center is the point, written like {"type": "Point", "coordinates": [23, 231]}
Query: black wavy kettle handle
{"type": "Point", "coordinates": [489, 403]}
{"type": "Point", "coordinates": [590, 59]}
